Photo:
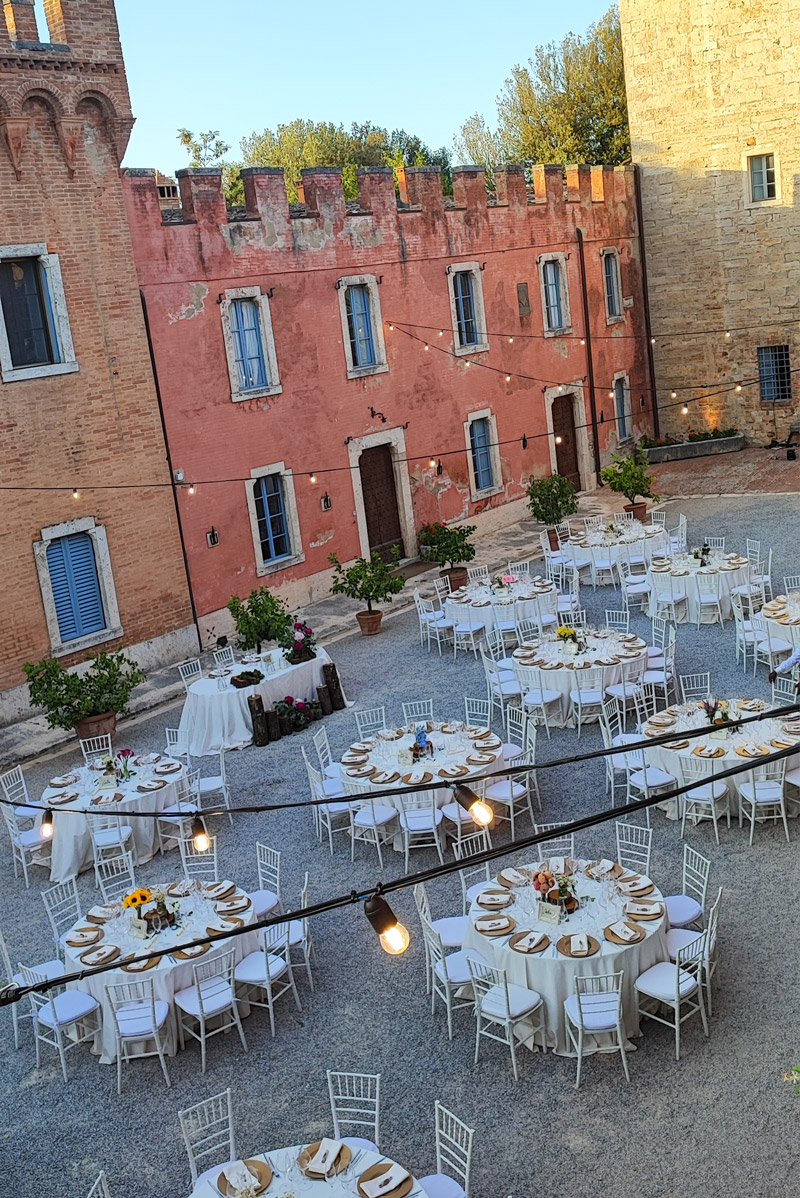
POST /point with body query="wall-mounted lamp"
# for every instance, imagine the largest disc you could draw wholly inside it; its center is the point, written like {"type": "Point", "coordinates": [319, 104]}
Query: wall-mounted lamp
{"type": "Point", "coordinates": [212, 537]}
{"type": "Point", "coordinates": [524, 441]}
{"type": "Point", "coordinates": [326, 503]}
{"type": "Point", "coordinates": [439, 467]}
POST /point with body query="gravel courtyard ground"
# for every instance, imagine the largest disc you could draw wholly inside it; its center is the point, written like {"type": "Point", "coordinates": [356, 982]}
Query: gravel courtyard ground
{"type": "Point", "coordinates": [720, 1120]}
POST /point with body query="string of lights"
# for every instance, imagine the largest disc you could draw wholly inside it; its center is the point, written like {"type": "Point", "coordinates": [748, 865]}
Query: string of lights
{"type": "Point", "coordinates": [725, 332]}
{"type": "Point", "coordinates": [393, 935]}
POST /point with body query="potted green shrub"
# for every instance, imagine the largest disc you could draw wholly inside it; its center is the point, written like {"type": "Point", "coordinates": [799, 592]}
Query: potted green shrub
{"type": "Point", "coordinates": [369, 580]}
{"type": "Point", "coordinates": [628, 476]}
{"type": "Point", "coordinates": [260, 617]}
{"type": "Point", "coordinates": [552, 500]}
{"type": "Point", "coordinates": [90, 701]}
{"type": "Point", "coordinates": [449, 545]}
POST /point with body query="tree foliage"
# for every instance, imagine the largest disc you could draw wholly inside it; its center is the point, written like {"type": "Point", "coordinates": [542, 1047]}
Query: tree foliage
{"type": "Point", "coordinates": [207, 149]}
{"type": "Point", "coordinates": [567, 105]}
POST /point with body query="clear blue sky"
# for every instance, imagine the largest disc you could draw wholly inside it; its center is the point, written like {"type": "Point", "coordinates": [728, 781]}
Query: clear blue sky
{"type": "Point", "coordinates": [240, 67]}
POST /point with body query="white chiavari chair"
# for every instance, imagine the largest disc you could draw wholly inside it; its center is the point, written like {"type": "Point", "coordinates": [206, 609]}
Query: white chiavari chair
{"type": "Point", "coordinates": [369, 721]}
{"type": "Point", "coordinates": [139, 1019]}
{"type": "Point", "coordinates": [177, 744]}
{"type": "Point", "coordinates": [677, 987]}
{"type": "Point", "coordinates": [707, 799]}
{"type": "Point", "coordinates": [267, 897]}
{"type": "Point", "coordinates": [678, 938]}
{"type": "Point", "coordinates": [197, 865]}
{"type": "Point", "coordinates": [96, 747]}
{"type": "Point", "coordinates": [686, 909]}
{"type": "Point", "coordinates": [420, 823]}
{"type": "Point", "coordinates": [115, 877]}
{"type": "Point", "coordinates": [332, 815]}
{"type": "Point", "coordinates": [63, 1020]}
{"type": "Point", "coordinates": [502, 687]}
{"type": "Point", "coordinates": [554, 846]}
{"type": "Point", "coordinates": [500, 1006]}
{"type": "Point", "coordinates": [695, 687]}
{"type": "Point", "coordinates": [586, 695]}
{"type": "Point", "coordinates": [769, 650]}
{"type": "Point", "coordinates": [213, 785]}
{"type": "Point", "coordinates": [469, 631]}
{"type": "Point", "coordinates": [448, 973]}
{"type": "Point", "coordinates": [624, 692]}
{"type": "Point", "coordinates": [595, 1009]}
{"type": "Point", "coordinates": [212, 996]}
{"type": "Point", "coordinates": [356, 1102]}
{"type": "Point", "coordinates": [207, 1129]}
{"type": "Point", "coordinates": [477, 712]}
{"type": "Point", "coordinates": [477, 877]}
{"type": "Point", "coordinates": [520, 569]}
{"type": "Point", "coordinates": [63, 908]}
{"type": "Point", "coordinates": [28, 846]}
{"type": "Point", "coordinates": [763, 796]}
{"type": "Point", "coordinates": [190, 671]}
{"type": "Point", "coordinates": [791, 584]}
{"type": "Point", "coordinates": [497, 648]}
{"type": "Point", "coordinates": [453, 1157]}
{"type": "Point", "coordinates": [268, 969]}
{"type": "Point", "coordinates": [434, 625]}
{"type": "Point", "coordinates": [715, 543]}
{"type": "Point", "coordinates": [15, 791]}
{"type": "Point", "coordinates": [634, 844]}
{"type": "Point", "coordinates": [224, 657]}
{"type": "Point", "coordinates": [49, 969]}
{"type": "Point", "coordinates": [618, 621]}
{"type": "Point", "coordinates": [709, 598]}
{"type": "Point", "coordinates": [300, 934]}
{"type": "Point", "coordinates": [420, 711]}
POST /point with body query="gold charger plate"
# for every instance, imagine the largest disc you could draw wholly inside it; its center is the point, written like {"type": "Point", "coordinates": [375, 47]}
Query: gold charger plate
{"type": "Point", "coordinates": [199, 951]}
{"type": "Point", "coordinates": [233, 921]}
{"type": "Point", "coordinates": [342, 1160]}
{"type": "Point", "coordinates": [564, 949]}
{"type": "Point", "coordinates": [615, 871]}
{"type": "Point", "coordinates": [262, 1170]}
{"type": "Point", "coordinates": [613, 938]}
{"type": "Point", "coordinates": [782, 744]}
{"type": "Point", "coordinates": [173, 767]}
{"type": "Point", "coordinates": [241, 906]}
{"type": "Point", "coordinates": [212, 894]}
{"type": "Point", "coordinates": [529, 952]}
{"type": "Point", "coordinates": [66, 796]}
{"type": "Point", "coordinates": [504, 879]}
{"type": "Point", "coordinates": [658, 911]}
{"type": "Point", "coordinates": [480, 759]}
{"type": "Point", "coordinates": [508, 899]}
{"type": "Point", "coordinates": [143, 967]}
{"type": "Point", "coordinates": [677, 744]}
{"type": "Point", "coordinates": [751, 756]}
{"type": "Point", "coordinates": [453, 771]}
{"type": "Point", "coordinates": [637, 894]}
{"type": "Point", "coordinates": [113, 952]}
{"type": "Point", "coordinates": [373, 1171]}
{"type": "Point", "coordinates": [179, 889]}
{"type": "Point", "coordinates": [710, 756]}
{"type": "Point", "coordinates": [361, 771]}
{"type": "Point", "coordinates": [423, 781]}
{"type": "Point", "coordinates": [97, 918]}
{"type": "Point", "coordinates": [493, 933]}
{"type": "Point", "coordinates": [98, 934]}
{"type": "Point", "coordinates": [148, 787]}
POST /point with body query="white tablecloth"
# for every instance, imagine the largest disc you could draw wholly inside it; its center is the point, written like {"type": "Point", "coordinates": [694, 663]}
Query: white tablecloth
{"type": "Point", "coordinates": [729, 577]}
{"type": "Point", "coordinates": [554, 653]}
{"type": "Point", "coordinates": [169, 976]}
{"type": "Point", "coordinates": [71, 842]}
{"type": "Point", "coordinates": [280, 1159]}
{"type": "Point", "coordinates": [689, 715]}
{"type": "Point", "coordinates": [553, 975]}
{"type": "Point", "coordinates": [214, 718]}
{"type": "Point", "coordinates": [640, 540]}
{"type": "Point", "coordinates": [782, 618]}
{"type": "Point", "coordinates": [473, 603]}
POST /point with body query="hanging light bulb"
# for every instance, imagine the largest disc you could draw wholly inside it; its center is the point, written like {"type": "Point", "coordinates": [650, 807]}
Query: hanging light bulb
{"type": "Point", "coordinates": [685, 409]}
{"type": "Point", "coordinates": [393, 936]}
{"type": "Point", "coordinates": [652, 340]}
{"type": "Point", "coordinates": [202, 841]}
{"type": "Point", "coordinates": [738, 386]}
{"type": "Point", "coordinates": [481, 812]}
{"type": "Point", "coordinates": [467, 364]}
{"type": "Point", "coordinates": [312, 478]}
{"type": "Point", "coordinates": [524, 441]}
{"type": "Point", "coordinates": [674, 394]}
{"type": "Point", "coordinates": [192, 488]}
{"type": "Point", "coordinates": [511, 341]}
{"type": "Point", "coordinates": [432, 463]}
{"type": "Point", "coordinates": [439, 467]}
{"type": "Point", "coordinates": [508, 378]}
{"type": "Point", "coordinates": [76, 493]}
{"type": "Point", "coordinates": [727, 335]}
{"type": "Point", "coordinates": [441, 332]}
{"type": "Point", "coordinates": [611, 395]}
{"type": "Point", "coordinates": [583, 341]}
{"type": "Point", "coordinates": [46, 826]}
{"type": "Point", "coordinates": [391, 328]}
{"type": "Point", "coordinates": [427, 346]}
{"type": "Point", "coordinates": [558, 438]}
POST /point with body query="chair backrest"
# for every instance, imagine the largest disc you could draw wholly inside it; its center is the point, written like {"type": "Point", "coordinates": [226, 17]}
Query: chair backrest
{"type": "Point", "coordinates": [753, 551]}
{"type": "Point", "coordinates": [5, 959]}
{"type": "Point", "coordinates": [516, 721]}
{"type": "Point", "coordinates": [100, 1188]}
{"type": "Point", "coordinates": [371, 719]}
{"type": "Point", "coordinates": [96, 746]}
{"type": "Point", "coordinates": [521, 569]}
{"type": "Point", "coordinates": [477, 712]}
{"type": "Point", "coordinates": [115, 876]}
{"type": "Point", "coordinates": [593, 523]}
{"type": "Point", "coordinates": [696, 869]}
{"type": "Point", "coordinates": [199, 865]}
{"type": "Point", "coordinates": [208, 1132]}
{"type": "Point", "coordinates": [715, 542]}
{"type": "Point", "coordinates": [419, 800]}
{"type": "Point", "coordinates": [468, 847]}
{"type": "Point", "coordinates": [355, 1102]}
{"type": "Point", "coordinates": [190, 671]}
{"type": "Point", "coordinates": [127, 999]}
{"type": "Point", "coordinates": [269, 868]}
{"type": "Point", "coordinates": [495, 642]}
{"type": "Point", "coordinates": [659, 631]}
{"type": "Point", "coordinates": [478, 573]}
{"type": "Point", "coordinates": [633, 847]}
{"type": "Point", "coordinates": [314, 777]}
{"type": "Point", "coordinates": [690, 959]}
{"type": "Point", "coordinates": [442, 587]}
{"type": "Point", "coordinates": [622, 518]}
{"type": "Point", "coordinates": [14, 787]}
{"type": "Point", "coordinates": [224, 657]}
{"type": "Point", "coordinates": [527, 630]}
{"type": "Point", "coordinates": [589, 680]}
{"type": "Point", "coordinates": [428, 608]}
{"type": "Point", "coordinates": [610, 720]}
{"type": "Point", "coordinates": [485, 978]}
{"type": "Point", "coordinates": [659, 518]}
{"type": "Point", "coordinates": [599, 999]}
{"type": "Point", "coordinates": [176, 743]}
{"type": "Point", "coordinates": [783, 690]}
{"type": "Point", "coordinates": [63, 907]}
{"type": "Point", "coordinates": [708, 584]}
{"type": "Point", "coordinates": [33, 977]}
{"type": "Point", "coordinates": [770, 771]}
{"type": "Point", "coordinates": [453, 1146]}
{"type": "Point", "coordinates": [791, 582]}
{"type": "Point", "coordinates": [695, 686]}
{"type": "Point", "coordinates": [531, 733]}
{"type": "Point", "coordinates": [712, 923]}
{"type": "Point", "coordinates": [213, 976]}
{"type": "Point", "coordinates": [576, 619]}
{"type": "Point", "coordinates": [620, 620]}
{"type": "Point", "coordinates": [323, 747]}
{"type": "Point", "coordinates": [422, 902]}
{"type": "Point", "coordinates": [554, 846]}
{"type": "Point", "coordinates": [419, 711]}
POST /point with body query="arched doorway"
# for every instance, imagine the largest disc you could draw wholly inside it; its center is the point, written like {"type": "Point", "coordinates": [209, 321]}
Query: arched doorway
{"type": "Point", "coordinates": [380, 500]}
{"type": "Point", "coordinates": [563, 416]}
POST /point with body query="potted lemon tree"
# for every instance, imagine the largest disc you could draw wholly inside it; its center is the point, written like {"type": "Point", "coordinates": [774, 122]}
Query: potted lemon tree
{"type": "Point", "coordinates": [449, 545]}
{"type": "Point", "coordinates": [628, 476]}
{"type": "Point", "coordinates": [368, 580]}
{"type": "Point", "coordinates": [89, 701]}
{"type": "Point", "coordinates": [552, 500]}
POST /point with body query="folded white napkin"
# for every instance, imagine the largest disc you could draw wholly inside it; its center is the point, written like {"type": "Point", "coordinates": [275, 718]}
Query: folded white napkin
{"type": "Point", "coordinates": [556, 865]}
{"type": "Point", "coordinates": [601, 868]}
{"type": "Point", "coordinates": [639, 908]}
{"type": "Point", "coordinates": [621, 929]}
{"type": "Point", "coordinates": [149, 759]}
{"type": "Point", "coordinates": [629, 887]}
{"type": "Point", "coordinates": [216, 888]}
{"type": "Point", "coordinates": [530, 941]}
{"type": "Point", "coordinates": [385, 1183]}
{"type": "Point", "coordinates": [416, 775]}
{"type": "Point", "coordinates": [101, 912]}
{"type": "Point", "coordinates": [82, 937]}
{"type": "Point", "coordinates": [239, 1176]}
{"type": "Point", "coordinates": [493, 900]}
{"type": "Point", "coordinates": [137, 966]}
{"type": "Point", "coordinates": [194, 951]}
{"type": "Point", "coordinates": [515, 876]}
{"type": "Point", "coordinates": [229, 905]}
{"type": "Point", "coordinates": [491, 925]}
{"type": "Point", "coordinates": [578, 945]}
{"type": "Point", "coordinates": [325, 1155]}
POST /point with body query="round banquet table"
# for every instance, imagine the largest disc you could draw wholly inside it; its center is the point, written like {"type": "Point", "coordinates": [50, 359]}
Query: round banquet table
{"type": "Point", "coordinates": [640, 540]}
{"type": "Point", "coordinates": [733, 571]}
{"type": "Point", "coordinates": [216, 714]}
{"type": "Point", "coordinates": [151, 788]}
{"type": "Point", "coordinates": [282, 1160]}
{"type": "Point", "coordinates": [782, 618]}
{"type": "Point", "coordinates": [198, 912]}
{"type": "Point", "coordinates": [473, 603]}
{"type": "Point", "coordinates": [732, 747]}
{"type": "Point", "coordinates": [605, 649]}
{"type": "Point", "coordinates": [550, 973]}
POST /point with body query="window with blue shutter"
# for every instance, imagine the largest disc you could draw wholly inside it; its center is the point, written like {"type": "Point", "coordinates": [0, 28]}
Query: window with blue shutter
{"type": "Point", "coordinates": [621, 410]}
{"type": "Point", "coordinates": [359, 325]}
{"type": "Point", "coordinates": [611, 274]}
{"type": "Point", "coordinates": [480, 440]}
{"type": "Point", "coordinates": [273, 527]}
{"type": "Point", "coordinates": [774, 373]}
{"type": "Point", "coordinates": [76, 588]}
{"type": "Point", "coordinates": [551, 275]}
{"type": "Point", "coordinates": [464, 295]}
{"type": "Point", "coordinates": [248, 347]}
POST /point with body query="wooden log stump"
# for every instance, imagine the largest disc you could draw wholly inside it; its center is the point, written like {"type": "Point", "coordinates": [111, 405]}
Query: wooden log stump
{"type": "Point", "coordinates": [334, 686]}
{"type": "Point", "coordinates": [285, 725]}
{"type": "Point", "coordinates": [259, 717]}
{"type": "Point", "coordinates": [273, 726]}
{"type": "Point", "coordinates": [325, 701]}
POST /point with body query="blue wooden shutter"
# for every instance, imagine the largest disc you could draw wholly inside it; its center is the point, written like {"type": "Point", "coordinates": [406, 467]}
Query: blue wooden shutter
{"type": "Point", "coordinates": [481, 454]}
{"type": "Point", "coordinates": [552, 294]}
{"type": "Point", "coordinates": [612, 289]}
{"type": "Point", "coordinates": [248, 349]}
{"type": "Point", "coordinates": [76, 588]}
{"type": "Point", "coordinates": [273, 527]}
{"type": "Point", "coordinates": [622, 415]}
{"type": "Point", "coordinates": [464, 294]}
{"type": "Point", "coordinates": [359, 318]}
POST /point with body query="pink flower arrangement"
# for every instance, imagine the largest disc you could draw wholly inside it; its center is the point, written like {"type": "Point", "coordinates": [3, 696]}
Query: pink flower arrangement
{"type": "Point", "coordinates": [506, 579]}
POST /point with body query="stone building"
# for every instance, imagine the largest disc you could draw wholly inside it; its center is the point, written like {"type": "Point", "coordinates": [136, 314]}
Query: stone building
{"type": "Point", "coordinates": [714, 107]}
{"type": "Point", "coordinates": [90, 553]}
{"type": "Point", "coordinates": [335, 374]}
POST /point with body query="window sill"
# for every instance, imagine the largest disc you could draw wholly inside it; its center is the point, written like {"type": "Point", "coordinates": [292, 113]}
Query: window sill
{"type": "Point", "coordinates": [558, 332]}
{"type": "Point", "coordinates": [616, 319]}
{"type": "Point", "coordinates": [255, 393]}
{"type": "Point", "coordinates": [283, 563]}
{"type": "Point", "coordinates": [772, 202]}
{"type": "Point", "coordinates": [361, 372]}
{"type": "Point", "coordinates": [61, 649]}
{"type": "Point", "coordinates": [19, 374]}
{"type": "Point", "coordinates": [481, 347]}
{"type": "Point", "coordinates": [776, 403]}
{"type": "Point", "coordinates": [477, 496]}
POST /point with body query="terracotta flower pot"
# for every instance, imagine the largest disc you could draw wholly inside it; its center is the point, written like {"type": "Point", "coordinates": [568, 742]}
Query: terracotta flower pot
{"type": "Point", "coordinates": [96, 725]}
{"type": "Point", "coordinates": [369, 622]}
{"type": "Point", "coordinates": [639, 511]}
{"type": "Point", "coordinates": [458, 576]}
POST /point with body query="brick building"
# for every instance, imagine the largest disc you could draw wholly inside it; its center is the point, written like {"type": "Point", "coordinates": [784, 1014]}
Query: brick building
{"type": "Point", "coordinates": [307, 416]}
{"type": "Point", "coordinates": [78, 408]}
{"type": "Point", "coordinates": [714, 106]}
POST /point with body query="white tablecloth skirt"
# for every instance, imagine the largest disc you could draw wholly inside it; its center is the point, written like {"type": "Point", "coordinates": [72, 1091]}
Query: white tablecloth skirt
{"type": "Point", "coordinates": [646, 547]}
{"type": "Point", "coordinates": [687, 612]}
{"type": "Point", "coordinates": [214, 719]}
{"type": "Point", "coordinates": [559, 715]}
{"type": "Point", "coordinates": [523, 609]}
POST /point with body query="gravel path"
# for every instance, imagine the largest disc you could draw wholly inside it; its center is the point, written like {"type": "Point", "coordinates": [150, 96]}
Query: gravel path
{"type": "Point", "coordinates": [720, 1120]}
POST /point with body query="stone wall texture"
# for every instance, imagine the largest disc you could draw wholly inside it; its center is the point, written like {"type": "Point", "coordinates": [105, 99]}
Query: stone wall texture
{"type": "Point", "coordinates": [709, 83]}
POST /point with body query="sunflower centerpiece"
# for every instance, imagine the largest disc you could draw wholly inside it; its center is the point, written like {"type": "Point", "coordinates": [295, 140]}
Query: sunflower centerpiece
{"type": "Point", "coordinates": [569, 639]}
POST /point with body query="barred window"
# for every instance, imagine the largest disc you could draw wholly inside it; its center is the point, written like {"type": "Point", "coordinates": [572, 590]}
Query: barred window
{"type": "Point", "coordinates": [774, 373]}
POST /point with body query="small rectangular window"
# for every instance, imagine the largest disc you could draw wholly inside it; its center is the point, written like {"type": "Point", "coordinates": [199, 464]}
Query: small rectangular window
{"type": "Point", "coordinates": [774, 373]}
{"type": "Point", "coordinates": [551, 274]}
{"type": "Point", "coordinates": [76, 587]}
{"type": "Point", "coordinates": [523, 299]}
{"type": "Point", "coordinates": [27, 313]}
{"type": "Point", "coordinates": [612, 285]}
{"type": "Point", "coordinates": [359, 325]}
{"type": "Point", "coordinates": [620, 407]}
{"type": "Point", "coordinates": [247, 344]}
{"type": "Point", "coordinates": [762, 177]}
{"type": "Point", "coordinates": [464, 295]}
{"type": "Point", "coordinates": [480, 441]}
{"type": "Point", "coordinates": [273, 527]}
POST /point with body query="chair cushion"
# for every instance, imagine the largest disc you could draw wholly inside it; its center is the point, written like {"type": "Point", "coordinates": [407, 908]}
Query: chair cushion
{"type": "Point", "coordinates": [296, 932]}
{"type": "Point", "coordinates": [506, 664]}
{"type": "Point", "coordinates": [588, 698]}
{"type": "Point", "coordinates": [659, 982]}
{"type": "Point", "coordinates": [252, 969]}
{"type": "Point", "coordinates": [439, 1185]}
{"type": "Point", "coordinates": [465, 629]}
{"type": "Point", "coordinates": [456, 814]}
{"type": "Point", "coordinates": [593, 1020]}
{"type": "Point", "coordinates": [659, 677]}
{"type": "Point", "coordinates": [541, 698]}
{"type": "Point", "coordinates": [332, 787]}
{"type": "Point", "coordinates": [777, 646]}
{"type": "Point", "coordinates": [622, 690]}
{"type": "Point", "coordinates": [363, 818]}
{"type": "Point", "coordinates": [212, 782]}
{"type": "Point", "coordinates": [67, 1008]}
{"type": "Point", "coordinates": [761, 792]}
{"type": "Point", "coordinates": [521, 1001]}
{"type": "Point", "coordinates": [181, 808]}
{"type": "Point", "coordinates": [420, 819]}
{"type": "Point", "coordinates": [334, 770]}
{"type": "Point", "coordinates": [49, 969]}
{"type": "Point", "coordinates": [509, 687]}
{"type": "Point", "coordinates": [263, 901]}
{"type": "Point", "coordinates": [456, 968]}
{"type": "Point", "coordinates": [682, 909]}
{"type": "Point", "coordinates": [655, 651]}
{"type": "Point", "coordinates": [707, 792]}
{"type": "Point", "coordinates": [655, 778]}
{"type": "Point", "coordinates": [135, 1021]}
{"type": "Point", "coordinates": [452, 929]}
{"type": "Point", "coordinates": [680, 938]}
{"type": "Point", "coordinates": [505, 791]}
{"type": "Point", "coordinates": [217, 994]}
{"type": "Point", "coordinates": [107, 837]}
{"type": "Point", "coordinates": [334, 808]}
{"type": "Point", "coordinates": [360, 1142]}
{"type": "Point", "coordinates": [510, 750]}
{"type": "Point", "coordinates": [666, 597]}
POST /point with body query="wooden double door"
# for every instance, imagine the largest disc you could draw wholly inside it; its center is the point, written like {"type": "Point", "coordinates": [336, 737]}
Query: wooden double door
{"type": "Point", "coordinates": [379, 492]}
{"type": "Point", "coordinates": [567, 447]}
